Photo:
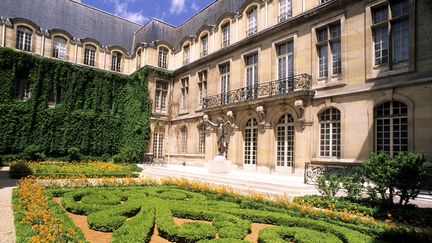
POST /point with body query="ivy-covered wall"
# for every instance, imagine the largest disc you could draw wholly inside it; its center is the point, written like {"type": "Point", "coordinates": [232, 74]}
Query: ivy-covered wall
{"type": "Point", "coordinates": [96, 112]}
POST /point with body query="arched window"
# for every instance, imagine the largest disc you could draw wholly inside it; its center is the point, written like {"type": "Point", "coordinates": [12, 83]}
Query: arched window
{"type": "Point", "coordinates": [186, 54]}
{"type": "Point", "coordinates": [201, 139]}
{"type": "Point", "coordinates": [59, 47]}
{"type": "Point", "coordinates": [250, 142]}
{"type": "Point", "coordinates": [116, 61]}
{"type": "Point", "coordinates": [285, 141]}
{"type": "Point", "coordinates": [89, 55]}
{"type": "Point", "coordinates": [330, 133]}
{"type": "Point", "coordinates": [24, 38]}
{"type": "Point", "coordinates": [252, 21]}
{"type": "Point", "coordinates": [204, 45]}
{"type": "Point", "coordinates": [163, 57]}
{"type": "Point", "coordinates": [138, 59]}
{"type": "Point", "coordinates": [391, 127]}
{"type": "Point", "coordinates": [226, 34]}
{"type": "Point", "coordinates": [183, 140]}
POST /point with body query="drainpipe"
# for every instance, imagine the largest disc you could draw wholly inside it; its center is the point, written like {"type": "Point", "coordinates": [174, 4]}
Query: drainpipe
{"type": "Point", "coordinates": [76, 52]}
{"type": "Point", "coordinates": [3, 34]}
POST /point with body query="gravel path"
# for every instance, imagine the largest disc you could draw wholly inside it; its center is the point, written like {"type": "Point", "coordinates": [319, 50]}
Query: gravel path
{"type": "Point", "coordinates": [7, 227]}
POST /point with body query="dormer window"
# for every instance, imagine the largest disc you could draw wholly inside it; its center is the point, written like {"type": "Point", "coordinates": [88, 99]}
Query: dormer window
{"type": "Point", "coordinates": [226, 35]}
{"type": "Point", "coordinates": [59, 48]}
{"type": "Point", "coordinates": [116, 61]}
{"type": "Point", "coordinates": [285, 10]}
{"type": "Point", "coordinates": [204, 45]}
{"type": "Point", "coordinates": [24, 39]}
{"type": "Point", "coordinates": [163, 58]}
{"type": "Point", "coordinates": [186, 54]}
{"type": "Point", "coordinates": [89, 55]}
{"type": "Point", "coordinates": [252, 22]}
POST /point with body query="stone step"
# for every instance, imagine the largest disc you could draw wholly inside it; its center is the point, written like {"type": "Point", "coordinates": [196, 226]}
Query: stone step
{"type": "Point", "coordinates": [243, 185]}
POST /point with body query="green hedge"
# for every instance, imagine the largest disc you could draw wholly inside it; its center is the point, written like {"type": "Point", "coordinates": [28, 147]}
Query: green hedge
{"type": "Point", "coordinates": [96, 112]}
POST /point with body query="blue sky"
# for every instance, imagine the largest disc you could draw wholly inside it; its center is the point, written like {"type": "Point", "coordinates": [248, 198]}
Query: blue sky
{"type": "Point", "coordinates": [141, 11]}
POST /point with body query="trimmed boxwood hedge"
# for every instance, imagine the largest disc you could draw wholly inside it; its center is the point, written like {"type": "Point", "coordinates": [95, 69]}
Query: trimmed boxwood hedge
{"type": "Point", "coordinates": [97, 112]}
{"type": "Point", "coordinates": [157, 205]}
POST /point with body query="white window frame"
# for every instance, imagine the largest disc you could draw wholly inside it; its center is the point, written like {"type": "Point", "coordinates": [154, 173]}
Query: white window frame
{"type": "Point", "coordinates": [186, 54]}
{"type": "Point", "coordinates": [163, 57]}
{"type": "Point", "coordinates": [158, 140]}
{"type": "Point", "coordinates": [330, 64]}
{"type": "Point", "coordinates": [225, 70]}
{"type": "Point", "coordinates": [90, 55]}
{"type": "Point", "coordinates": [185, 93]}
{"type": "Point", "coordinates": [116, 61]}
{"type": "Point", "coordinates": [202, 86]}
{"type": "Point", "coordinates": [59, 47]}
{"type": "Point", "coordinates": [286, 61]}
{"type": "Point", "coordinates": [285, 10]}
{"type": "Point", "coordinates": [251, 75]}
{"type": "Point", "coordinates": [201, 139]}
{"type": "Point", "coordinates": [161, 94]}
{"type": "Point", "coordinates": [226, 34]}
{"type": "Point", "coordinates": [285, 142]}
{"type": "Point", "coordinates": [250, 143]}
{"type": "Point", "coordinates": [252, 17]}
{"type": "Point", "coordinates": [330, 133]}
{"type": "Point", "coordinates": [204, 45]}
{"type": "Point", "coordinates": [24, 38]}
{"type": "Point", "coordinates": [183, 140]}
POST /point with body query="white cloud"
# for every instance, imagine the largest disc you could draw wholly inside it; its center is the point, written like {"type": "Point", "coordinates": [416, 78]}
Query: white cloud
{"type": "Point", "coordinates": [177, 7]}
{"type": "Point", "coordinates": [121, 9]}
{"type": "Point", "coordinates": [195, 6]}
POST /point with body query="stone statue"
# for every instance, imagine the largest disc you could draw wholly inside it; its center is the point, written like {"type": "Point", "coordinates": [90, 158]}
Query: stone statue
{"type": "Point", "coordinates": [224, 132]}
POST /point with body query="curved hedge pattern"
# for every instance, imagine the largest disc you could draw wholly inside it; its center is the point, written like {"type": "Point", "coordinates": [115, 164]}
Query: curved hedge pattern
{"type": "Point", "coordinates": [108, 210]}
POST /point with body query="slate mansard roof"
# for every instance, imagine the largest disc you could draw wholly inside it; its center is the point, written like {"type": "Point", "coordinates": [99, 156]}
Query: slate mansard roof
{"type": "Point", "coordinates": [158, 30]}
{"type": "Point", "coordinates": [83, 21]}
{"type": "Point", "coordinates": [80, 20]}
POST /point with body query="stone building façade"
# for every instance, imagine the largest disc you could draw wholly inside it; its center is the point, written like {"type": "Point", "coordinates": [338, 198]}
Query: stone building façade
{"type": "Point", "coordinates": [304, 82]}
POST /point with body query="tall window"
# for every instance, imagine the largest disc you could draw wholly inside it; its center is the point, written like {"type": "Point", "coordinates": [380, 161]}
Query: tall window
{"type": "Point", "coordinates": [285, 10]}
{"type": "Point", "coordinates": [163, 57]}
{"type": "Point", "coordinates": [89, 55]}
{"type": "Point", "coordinates": [251, 76]}
{"type": "Point", "coordinates": [226, 35]}
{"type": "Point", "coordinates": [225, 82]}
{"type": "Point", "coordinates": [186, 54]}
{"type": "Point", "coordinates": [393, 17]}
{"type": "Point", "coordinates": [202, 87]}
{"type": "Point", "coordinates": [185, 93]}
{"type": "Point", "coordinates": [201, 139]}
{"type": "Point", "coordinates": [183, 140]}
{"type": "Point", "coordinates": [116, 61]}
{"type": "Point", "coordinates": [250, 142]}
{"type": "Point", "coordinates": [59, 47]}
{"type": "Point", "coordinates": [161, 95]}
{"type": "Point", "coordinates": [158, 139]}
{"type": "Point", "coordinates": [204, 46]}
{"type": "Point", "coordinates": [252, 21]}
{"type": "Point", "coordinates": [285, 141]}
{"type": "Point", "coordinates": [285, 54]}
{"type": "Point", "coordinates": [24, 38]}
{"type": "Point", "coordinates": [391, 127]}
{"type": "Point", "coordinates": [138, 59]}
{"type": "Point", "coordinates": [330, 133]}
{"type": "Point", "coordinates": [22, 89]}
{"type": "Point", "coordinates": [328, 42]}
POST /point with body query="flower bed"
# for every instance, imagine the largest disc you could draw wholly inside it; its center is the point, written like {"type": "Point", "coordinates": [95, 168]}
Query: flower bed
{"type": "Point", "coordinates": [94, 169]}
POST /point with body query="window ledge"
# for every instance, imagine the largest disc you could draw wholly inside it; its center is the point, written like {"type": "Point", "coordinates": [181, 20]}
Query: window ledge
{"type": "Point", "coordinates": [380, 71]}
{"type": "Point", "coordinates": [334, 160]}
{"type": "Point", "coordinates": [333, 84]}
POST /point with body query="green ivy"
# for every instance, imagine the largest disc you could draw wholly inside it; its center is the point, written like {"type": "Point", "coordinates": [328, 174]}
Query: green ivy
{"type": "Point", "coordinates": [96, 112]}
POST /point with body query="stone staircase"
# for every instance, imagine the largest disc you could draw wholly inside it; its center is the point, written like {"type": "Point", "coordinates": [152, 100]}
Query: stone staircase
{"type": "Point", "coordinates": [270, 184]}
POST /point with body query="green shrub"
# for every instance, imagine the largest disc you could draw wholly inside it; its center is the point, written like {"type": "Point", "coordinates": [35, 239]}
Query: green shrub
{"type": "Point", "coordinates": [294, 234]}
{"type": "Point", "coordinates": [138, 229]}
{"type": "Point", "coordinates": [74, 154]}
{"type": "Point", "coordinates": [353, 185]}
{"type": "Point", "coordinates": [329, 185]}
{"type": "Point", "coordinates": [402, 172]}
{"type": "Point", "coordinates": [20, 169]}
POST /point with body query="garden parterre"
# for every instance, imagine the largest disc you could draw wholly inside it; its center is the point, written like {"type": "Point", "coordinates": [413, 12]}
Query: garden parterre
{"type": "Point", "coordinates": [131, 213]}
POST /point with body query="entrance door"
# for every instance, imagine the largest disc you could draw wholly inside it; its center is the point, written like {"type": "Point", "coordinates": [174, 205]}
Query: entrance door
{"type": "Point", "coordinates": [285, 143]}
{"type": "Point", "coordinates": [158, 145]}
{"type": "Point", "coordinates": [250, 144]}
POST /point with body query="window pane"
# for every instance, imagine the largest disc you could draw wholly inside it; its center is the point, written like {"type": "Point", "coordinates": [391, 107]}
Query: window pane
{"type": "Point", "coordinates": [380, 15]}
{"type": "Point", "coordinates": [322, 55]}
{"type": "Point", "coordinates": [381, 45]}
{"type": "Point", "coordinates": [400, 36]}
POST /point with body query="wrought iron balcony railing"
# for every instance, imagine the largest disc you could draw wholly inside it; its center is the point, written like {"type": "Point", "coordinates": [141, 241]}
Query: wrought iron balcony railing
{"type": "Point", "coordinates": [273, 88]}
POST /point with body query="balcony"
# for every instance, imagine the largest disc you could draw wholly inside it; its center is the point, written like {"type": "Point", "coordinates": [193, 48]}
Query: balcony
{"type": "Point", "coordinates": [301, 82]}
